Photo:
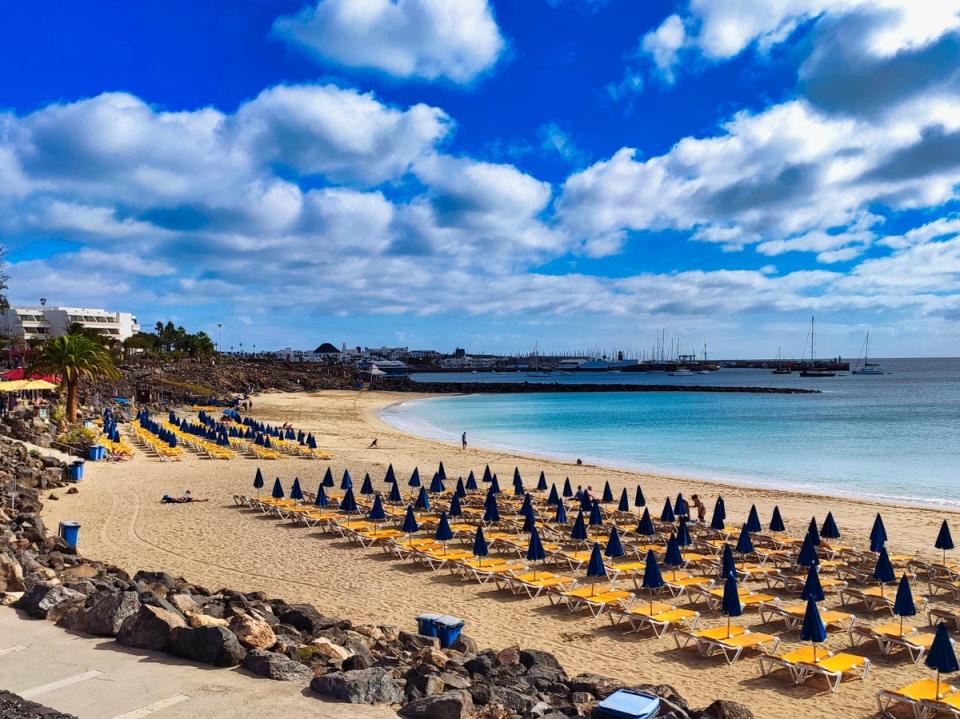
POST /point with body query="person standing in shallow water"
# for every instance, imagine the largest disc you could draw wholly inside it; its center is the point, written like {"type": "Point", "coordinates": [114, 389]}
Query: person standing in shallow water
{"type": "Point", "coordinates": [463, 440]}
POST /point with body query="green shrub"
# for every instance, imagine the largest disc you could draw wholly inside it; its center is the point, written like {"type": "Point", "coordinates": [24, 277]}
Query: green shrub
{"type": "Point", "coordinates": [79, 436]}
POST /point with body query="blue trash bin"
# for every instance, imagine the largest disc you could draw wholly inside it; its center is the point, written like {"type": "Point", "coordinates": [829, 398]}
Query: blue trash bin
{"type": "Point", "coordinates": [76, 471]}
{"type": "Point", "coordinates": [427, 624]}
{"type": "Point", "coordinates": [70, 531]}
{"type": "Point", "coordinates": [448, 629]}
{"type": "Point", "coordinates": [96, 452]}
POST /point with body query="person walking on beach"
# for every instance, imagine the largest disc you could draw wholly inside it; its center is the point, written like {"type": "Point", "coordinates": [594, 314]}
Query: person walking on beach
{"type": "Point", "coordinates": [579, 493]}
{"type": "Point", "coordinates": [463, 440]}
{"type": "Point", "coordinates": [373, 444]}
{"type": "Point", "coordinates": [701, 508]}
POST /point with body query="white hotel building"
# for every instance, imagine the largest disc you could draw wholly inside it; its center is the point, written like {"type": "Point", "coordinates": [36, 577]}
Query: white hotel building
{"type": "Point", "coordinates": [31, 323]}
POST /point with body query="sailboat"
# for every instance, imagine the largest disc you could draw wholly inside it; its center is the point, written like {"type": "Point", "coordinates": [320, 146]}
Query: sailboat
{"type": "Point", "coordinates": [782, 368]}
{"type": "Point", "coordinates": [868, 367]}
{"type": "Point", "coordinates": [813, 371]}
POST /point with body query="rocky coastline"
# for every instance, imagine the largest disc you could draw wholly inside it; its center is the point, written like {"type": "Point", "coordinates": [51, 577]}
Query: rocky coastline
{"type": "Point", "coordinates": [338, 659]}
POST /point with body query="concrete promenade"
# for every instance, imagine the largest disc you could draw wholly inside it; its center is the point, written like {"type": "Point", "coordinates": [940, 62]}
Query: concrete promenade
{"type": "Point", "coordinates": [96, 678]}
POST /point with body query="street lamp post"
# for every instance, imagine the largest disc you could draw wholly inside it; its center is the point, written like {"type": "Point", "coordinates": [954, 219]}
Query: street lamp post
{"type": "Point", "coordinates": [219, 335]}
{"type": "Point", "coordinates": [43, 311]}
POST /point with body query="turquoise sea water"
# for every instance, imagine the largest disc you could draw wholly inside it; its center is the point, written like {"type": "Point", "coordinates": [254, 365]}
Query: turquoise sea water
{"type": "Point", "coordinates": [895, 436]}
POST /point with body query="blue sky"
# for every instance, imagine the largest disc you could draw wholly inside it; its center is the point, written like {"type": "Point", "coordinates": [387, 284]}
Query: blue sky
{"type": "Point", "coordinates": [576, 174]}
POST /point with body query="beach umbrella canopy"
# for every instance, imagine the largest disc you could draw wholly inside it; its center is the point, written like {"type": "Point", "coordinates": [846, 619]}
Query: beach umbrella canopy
{"type": "Point", "coordinates": [376, 511]}
{"type": "Point", "coordinates": [423, 500]}
{"type": "Point", "coordinates": [542, 482]}
{"type": "Point", "coordinates": [680, 506]}
{"type": "Point", "coordinates": [667, 514]}
{"type": "Point", "coordinates": [561, 516]}
{"type": "Point", "coordinates": [516, 477]}
{"type": "Point", "coordinates": [776, 521]}
{"type": "Point", "coordinates": [753, 520]}
{"type": "Point", "coordinates": [410, 521]}
{"type": "Point", "coordinates": [808, 553]}
{"type": "Point", "coordinates": [607, 493]}
{"type": "Point", "coordinates": [443, 533]}
{"type": "Point", "coordinates": [486, 474]}
{"type": "Point", "coordinates": [321, 498]}
{"type": "Point", "coordinates": [491, 513]}
{"type": "Point", "coordinates": [480, 548]}
{"type": "Point", "coordinates": [295, 491]}
{"type": "Point", "coordinates": [529, 522]}
{"type": "Point", "coordinates": [258, 479]}
{"type": "Point", "coordinates": [471, 482]}
{"type": "Point", "coordinates": [614, 548]}
{"type": "Point", "coordinates": [638, 499]}
{"type": "Point", "coordinates": [812, 589]}
{"type": "Point", "coordinates": [720, 506]}
{"type": "Point", "coordinates": [731, 601]}
{"type": "Point", "coordinates": [328, 478]}
{"type": "Point", "coordinates": [830, 530]}
{"type": "Point", "coordinates": [442, 472]}
{"type": "Point", "coordinates": [596, 518]}
{"type": "Point", "coordinates": [460, 490]}
{"type": "Point", "coordinates": [367, 486]}
{"type": "Point", "coordinates": [903, 605]}
{"type": "Point", "coordinates": [277, 492]}
{"type": "Point", "coordinates": [883, 569]}
{"type": "Point", "coordinates": [494, 485]}
{"type": "Point", "coordinates": [311, 442]}
{"type": "Point", "coordinates": [527, 506]}
{"type": "Point", "coordinates": [414, 480]}
{"type": "Point", "coordinates": [518, 490]}
{"type": "Point", "coordinates": [348, 503]}
{"type": "Point", "coordinates": [595, 567]}
{"type": "Point", "coordinates": [717, 520]}
{"type": "Point", "coordinates": [744, 543]}
{"type": "Point", "coordinates": [652, 578]}
{"type": "Point", "coordinates": [673, 557]}
{"type": "Point", "coordinates": [554, 496]}
{"type": "Point", "coordinates": [728, 567]}
{"type": "Point", "coordinates": [347, 481]}
{"type": "Point", "coordinates": [645, 525]}
{"type": "Point", "coordinates": [579, 531]}
{"type": "Point", "coordinates": [436, 484]}
{"type": "Point", "coordinates": [813, 532]}
{"type": "Point", "coordinates": [535, 551]}
{"type": "Point", "coordinates": [624, 504]}
{"type": "Point", "coordinates": [395, 497]}
{"type": "Point", "coordinates": [683, 533]}
{"type": "Point", "coordinates": [390, 475]}
{"type": "Point", "coordinates": [455, 509]}
{"type": "Point", "coordinates": [944, 540]}
{"type": "Point", "coordinates": [878, 534]}
{"type": "Point", "coordinates": [567, 489]}
{"type": "Point", "coordinates": [941, 655]}
{"type": "Point", "coordinates": [813, 629]}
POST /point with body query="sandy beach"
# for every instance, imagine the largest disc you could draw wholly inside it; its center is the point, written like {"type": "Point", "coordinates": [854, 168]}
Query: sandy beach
{"type": "Point", "coordinates": [217, 544]}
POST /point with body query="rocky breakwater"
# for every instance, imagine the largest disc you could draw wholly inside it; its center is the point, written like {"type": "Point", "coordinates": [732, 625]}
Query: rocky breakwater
{"type": "Point", "coordinates": [405, 384]}
{"type": "Point", "coordinates": [297, 643]}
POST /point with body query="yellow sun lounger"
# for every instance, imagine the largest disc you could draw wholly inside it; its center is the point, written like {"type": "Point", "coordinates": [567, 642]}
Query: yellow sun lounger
{"type": "Point", "coordinates": [733, 646]}
{"type": "Point", "coordinates": [876, 598]}
{"type": "Point", "coordinates": [681, 583]}
{"type": "Point", "coordinates": [792, 616]}
{"type": "Point", "coordinates": [949, 705]}
{"type": "Point", "coordinates": [913, 696]}
{"type": "Point", "coordinates": [683, 637]}
{"type": "Point", "coordinates": [598, 602]}
{"type": "Point", "coordinates": [662, 618]}
{"type": "Point", "coordinates": [714, 597]}
{"type": "Point", "coordinates": [534, 583]}
{"type": "Point", "coordinates": [889, 638]}
{"type": "Point", "coordinates": [791, 661]}
{"type": "Point", "coordinates": [484, 573]}
{"type": "Point", "coordinates": [834, 668]}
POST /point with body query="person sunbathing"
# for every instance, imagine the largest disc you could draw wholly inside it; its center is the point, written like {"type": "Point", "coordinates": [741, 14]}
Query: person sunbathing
{"type": "Point", "coordinates": [182, 499]}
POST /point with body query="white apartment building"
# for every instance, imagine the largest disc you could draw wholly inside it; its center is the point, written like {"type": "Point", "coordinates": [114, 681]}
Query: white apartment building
{"type": "Point", "coordinates": [31, 323]}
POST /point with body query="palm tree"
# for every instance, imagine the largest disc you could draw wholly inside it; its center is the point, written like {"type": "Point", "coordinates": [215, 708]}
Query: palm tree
{"type": "Point", "coordinates": [72, 359]}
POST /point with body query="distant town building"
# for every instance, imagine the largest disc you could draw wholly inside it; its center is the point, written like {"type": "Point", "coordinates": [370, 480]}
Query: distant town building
{"type": "Point", "coordinates": [31, 323]}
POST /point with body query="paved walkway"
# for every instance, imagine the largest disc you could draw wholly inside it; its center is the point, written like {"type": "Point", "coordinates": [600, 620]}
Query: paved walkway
{"type": "Point", "coordinates": [96, 678]}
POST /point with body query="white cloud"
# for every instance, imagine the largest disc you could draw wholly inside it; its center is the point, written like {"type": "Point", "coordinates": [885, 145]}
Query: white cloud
{"type": "Point", "coordinates": [663, 45]}
{"type": "Point", "coordinates": [426, 39]}
{"type": "Point", "coordinates": [790, 177]}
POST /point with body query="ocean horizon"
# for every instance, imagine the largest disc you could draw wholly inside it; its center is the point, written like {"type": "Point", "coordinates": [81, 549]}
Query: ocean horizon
{"type": "Point", "coordinates": [890, 437]}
